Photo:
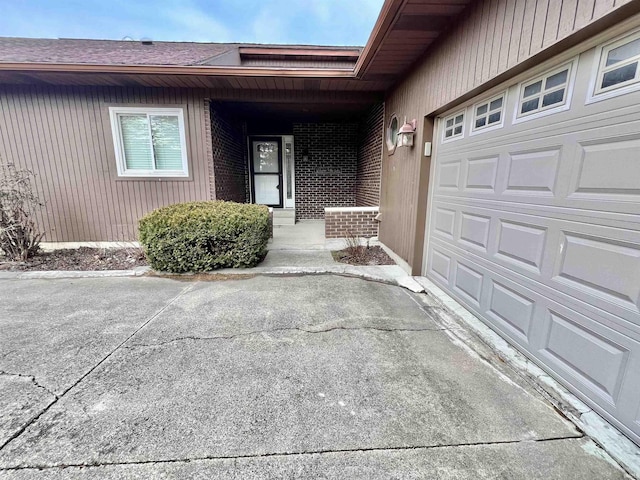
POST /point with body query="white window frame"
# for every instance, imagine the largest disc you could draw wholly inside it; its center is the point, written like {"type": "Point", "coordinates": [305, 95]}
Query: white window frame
{"type": "Point", "coordinates": [550, 109]}
{"type": "Point", "coordinates": [453, 137]}
{"type": "Point", "coordinates": [123, 171]}
{"type": "Point", "coordinates": [391, 145]}
{"type": "Point", "coordinates": [595, 92]}
{"type": "Point", "coordinates": [487, 128]}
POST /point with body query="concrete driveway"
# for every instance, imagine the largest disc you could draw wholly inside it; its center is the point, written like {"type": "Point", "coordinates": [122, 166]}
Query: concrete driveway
{"type": "Point", "coordinates": [299, 377]}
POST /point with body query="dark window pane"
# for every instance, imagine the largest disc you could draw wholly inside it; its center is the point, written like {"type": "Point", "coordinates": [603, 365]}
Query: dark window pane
{"type": "Point", "coordinates": [553, 98]}
{"type": "Point", "coordinates": [619, 75]}
{"type": "Point", "coordinates": [556, 80]}
{"type": "Point", "coordinates": [457, 130]}
{"type": "Point", "coordinates": [481, 122]}
{"type": "Point", "coordinates": [497, 103]}
{"type": "Point", "coordinates": [481, 110]}
{"type": "Point", "coordinates": [494, 118]}
{"type": "Point", "coordinates": [624, 52]}
{"type": "Point", "coordinates": [450, 122]}
{"type": "Point", "coordinates": [459, 119]}
{"type": "Point", "coordinates": [529, 105]}
{"type": "Point", "coordinates": [448, 133]}
{"type": "Point", "coordinates": [533, 89]}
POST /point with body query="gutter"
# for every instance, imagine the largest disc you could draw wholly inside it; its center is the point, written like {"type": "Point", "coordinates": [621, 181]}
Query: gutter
{"type": "Point", "coordinates": [177, 70]}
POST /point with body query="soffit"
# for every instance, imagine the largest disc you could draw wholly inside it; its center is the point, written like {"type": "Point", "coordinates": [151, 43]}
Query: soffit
{"type": "Point", "coordinates": [403, 32]}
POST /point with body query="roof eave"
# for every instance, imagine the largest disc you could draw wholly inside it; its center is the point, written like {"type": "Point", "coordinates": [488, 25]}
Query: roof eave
{"type": "Point", "coordinates": [178, 70]}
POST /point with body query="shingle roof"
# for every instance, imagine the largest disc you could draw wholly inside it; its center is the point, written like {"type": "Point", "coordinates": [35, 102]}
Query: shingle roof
{"type": "Point", "coordinates": [121, 52]}
{"type": "Point", "coordinates": [116, 52]}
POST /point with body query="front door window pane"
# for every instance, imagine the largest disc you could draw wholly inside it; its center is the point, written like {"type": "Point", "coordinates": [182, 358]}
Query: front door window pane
{"type": "Point", "coordinates": [265, 157]}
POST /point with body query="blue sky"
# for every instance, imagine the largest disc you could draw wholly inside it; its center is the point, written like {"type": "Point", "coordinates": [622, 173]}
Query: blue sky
{"type": "Point", "coordinates": [320, 22]}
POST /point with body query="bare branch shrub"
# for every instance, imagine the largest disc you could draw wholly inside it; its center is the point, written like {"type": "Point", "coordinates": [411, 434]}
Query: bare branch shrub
{"type": "Point", "coordinates": [19, 235]}
{"type": "Point", "coordinates": [356, 251]}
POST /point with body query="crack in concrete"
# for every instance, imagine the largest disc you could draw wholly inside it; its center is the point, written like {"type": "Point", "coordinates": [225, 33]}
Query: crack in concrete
{"type": "Point", "coordinates": [283, 329]}
{"type": "Point", "coordinates": [33, 380]}
{"type": "Point", "coordinates": [58, 397]}
{"type": "Point", "coordinates": [292, 454]}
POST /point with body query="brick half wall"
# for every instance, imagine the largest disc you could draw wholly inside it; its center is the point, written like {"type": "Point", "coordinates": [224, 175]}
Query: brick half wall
{"type": "Point", "coordinates": [353, 221]}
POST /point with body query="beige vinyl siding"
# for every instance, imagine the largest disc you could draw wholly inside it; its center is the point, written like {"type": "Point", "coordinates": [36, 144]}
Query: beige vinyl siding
{"type": "Point", "coordinates": [64, 135]}
{"type": "Point", "coordinates": [491, 37]}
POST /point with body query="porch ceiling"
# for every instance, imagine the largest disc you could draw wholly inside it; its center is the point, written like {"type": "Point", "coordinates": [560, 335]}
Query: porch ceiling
{"type": "Point", "coordinates": [298, 112]}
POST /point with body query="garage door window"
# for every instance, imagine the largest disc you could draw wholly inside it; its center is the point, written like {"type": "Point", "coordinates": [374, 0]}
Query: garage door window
{"type": "Point", "coordinates": [489, 114]}
{"type": "Point", "coordinates": [454, 127]}
{"type": "Point", "coordinates": [619, 65]}
{"type": "Point", "coordinates": [547, 93]}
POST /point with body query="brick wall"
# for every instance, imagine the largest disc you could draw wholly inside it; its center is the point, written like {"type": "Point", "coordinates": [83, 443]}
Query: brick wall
{"type": "Point", "coordinates": [328, 177]}
{"type": "Point", "coordinates": [230, 170]}
{"type": "Point", "coordinates": [345, 222]}
{"type": "Point", "coordinates": [369, 171]}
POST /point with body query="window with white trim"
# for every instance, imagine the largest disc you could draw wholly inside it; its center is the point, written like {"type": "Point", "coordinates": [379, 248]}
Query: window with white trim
{"type": "Point", "coordinates": [392, 133]}
{"type": "Point", "coordinates": [619, 64]}
{"type": "Point", "coordinates": [149, 142]}
{"type": "Point", "coordinates": [545, 93]}
{"type": "Point", "coordinates": [454, 126]}
{"type": "Point", "coordinates": [488, 114]}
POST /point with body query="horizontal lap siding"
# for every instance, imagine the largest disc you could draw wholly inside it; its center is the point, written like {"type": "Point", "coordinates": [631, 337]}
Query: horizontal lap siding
{"type": "Point", "coordinates": [491, 37]}
{"type": "Point", "coordinates": [64, 135]}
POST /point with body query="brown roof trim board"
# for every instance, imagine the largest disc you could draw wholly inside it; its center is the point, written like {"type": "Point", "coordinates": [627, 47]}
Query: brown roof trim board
{"type": "Point", "coordinates": [177, 70]}
{"type": "Point", "coordinates": [388, 13]}
{"type": "Point", "coordinates": [301, 52]}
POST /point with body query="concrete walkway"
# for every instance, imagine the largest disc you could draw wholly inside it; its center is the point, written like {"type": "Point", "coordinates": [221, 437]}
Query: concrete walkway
{"type": "Point", "coordinates": [288, 377]}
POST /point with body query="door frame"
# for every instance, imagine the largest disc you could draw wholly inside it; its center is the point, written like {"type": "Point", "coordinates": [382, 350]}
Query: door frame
{"type": "Point", "coordinates": [253, 173]}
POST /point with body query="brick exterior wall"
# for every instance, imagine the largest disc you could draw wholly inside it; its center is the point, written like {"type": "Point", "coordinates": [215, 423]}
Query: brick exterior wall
{"type": "Point", "coordinates": [342, 223]}
{"type": "Point", "coordinates": [369, 172]}
{"type": "Point", "coordinates": [230, 170]}
{"type": "Point", "coordinates": [328, 177]}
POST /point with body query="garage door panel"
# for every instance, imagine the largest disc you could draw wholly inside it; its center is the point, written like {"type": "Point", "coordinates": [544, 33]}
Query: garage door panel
{"type": "Point", "coordinates": [606, 313]}
{"type": "Point", "coordinates": [513, 309]}
{"type": "Point", "coordinates": [596, 170]}
{"type": "Point", "coordinates": [512, 240]}
{"type": "Point", "coordinates": [444, 221]}
{"type": "Point", "coordinates": [532, 173]}
{"type": "Point", "coordinates": [440, 266]}
{"type": "Point", "coordinates": [603, 267]}
{"type": "Point", "coordinates": [474, 230]}
{"type": "Point", "coordinates": [521, 243]}
{"type": "Point", "coordinates": [582, 351]}
{"type": "Point", "coordinates": [608, 168]}
{"type": "Point", "coordinates": [629, 222]}
{"type": "Point", "coordinates": [467, 281]}
{"type": "Point", "coordinates": [449, 175]}
{"type": "Point", "coordinates": [595, 360]}
{"type": "Point", "coordinates": [481, 174]}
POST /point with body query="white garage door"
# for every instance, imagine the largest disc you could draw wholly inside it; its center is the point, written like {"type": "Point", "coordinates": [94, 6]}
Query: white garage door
{"type": "Point", "coordinates": [534, 221]}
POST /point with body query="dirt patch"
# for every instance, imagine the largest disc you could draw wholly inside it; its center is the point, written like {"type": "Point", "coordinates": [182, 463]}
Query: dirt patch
{"type": "Point", "coordinates": [202, 277]}
{"type": "Point", "coordinates": [83, 258]}
{"type": "Point", "coordinates": [363, 256]}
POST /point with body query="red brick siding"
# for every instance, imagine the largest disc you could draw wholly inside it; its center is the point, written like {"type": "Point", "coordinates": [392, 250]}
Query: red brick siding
{"type": "Point", "coordinates": [371, 134]}
{"type": "Point", "coordinates": [230, 170]}
{"type": "Point", "coordinates": [328, 177]}
{"type": "Point", "coordinates": [345, 224]}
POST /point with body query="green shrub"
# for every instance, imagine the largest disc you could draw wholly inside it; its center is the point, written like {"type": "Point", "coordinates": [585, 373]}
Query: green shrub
{"type": "Point", "coordinates": [204, 236]}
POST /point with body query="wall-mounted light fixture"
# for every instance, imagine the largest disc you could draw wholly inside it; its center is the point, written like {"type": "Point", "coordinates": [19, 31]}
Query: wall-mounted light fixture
{"type": "Point", "coordinates": [406, 133]}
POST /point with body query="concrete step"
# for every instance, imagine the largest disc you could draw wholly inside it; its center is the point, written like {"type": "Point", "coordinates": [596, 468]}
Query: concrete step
{"type": "Point", "coordinates": [283, 216]}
